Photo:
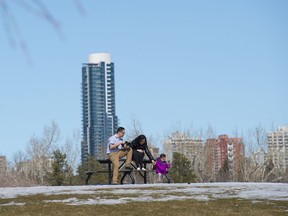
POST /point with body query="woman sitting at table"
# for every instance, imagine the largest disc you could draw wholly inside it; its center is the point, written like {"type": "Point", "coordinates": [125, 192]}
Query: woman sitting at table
{"type": "Point", "coordinates": [139, 146]}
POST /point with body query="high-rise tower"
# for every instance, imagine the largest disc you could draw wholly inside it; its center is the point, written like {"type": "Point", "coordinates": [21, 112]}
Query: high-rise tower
{"type": "Point", "coordinates": [99, 120]}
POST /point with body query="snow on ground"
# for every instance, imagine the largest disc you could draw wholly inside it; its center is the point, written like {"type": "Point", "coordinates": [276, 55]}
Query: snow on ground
{"type": "Point", "coordinates": [103, 194]}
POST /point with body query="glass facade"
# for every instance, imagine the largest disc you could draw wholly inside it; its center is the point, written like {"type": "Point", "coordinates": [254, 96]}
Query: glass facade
{"type": "Point", "coordinates": [99, 120]}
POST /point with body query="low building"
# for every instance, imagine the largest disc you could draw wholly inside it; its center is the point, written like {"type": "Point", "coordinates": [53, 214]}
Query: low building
{"type": "Point", "coordinates": [182, 143]}
{"type": "Point", "coordinates": [278, 148]}
{"type": "Point", "coordinates": [3, 164]}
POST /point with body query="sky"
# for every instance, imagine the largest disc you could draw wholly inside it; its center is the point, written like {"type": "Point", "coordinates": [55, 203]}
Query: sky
{"type": "Point", "coordinates": [178, 64]}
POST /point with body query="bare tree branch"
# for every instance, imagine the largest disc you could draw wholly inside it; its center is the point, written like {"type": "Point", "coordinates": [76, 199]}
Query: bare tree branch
{"type": "Point", "coordinates": [36, 8]}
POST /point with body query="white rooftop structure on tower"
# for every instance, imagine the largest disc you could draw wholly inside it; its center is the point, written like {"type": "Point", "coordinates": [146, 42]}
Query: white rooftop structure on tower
{"type": "Point", "coordinates": [96, 58]}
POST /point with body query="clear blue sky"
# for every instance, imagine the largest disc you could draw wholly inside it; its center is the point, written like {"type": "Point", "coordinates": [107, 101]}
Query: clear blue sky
{"type": "Point", "coordinates": [185, 62]}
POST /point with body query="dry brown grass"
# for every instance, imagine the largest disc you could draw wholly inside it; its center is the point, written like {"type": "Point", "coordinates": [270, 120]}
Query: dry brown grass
{"type": "Point", "coordinates": [36, 205]}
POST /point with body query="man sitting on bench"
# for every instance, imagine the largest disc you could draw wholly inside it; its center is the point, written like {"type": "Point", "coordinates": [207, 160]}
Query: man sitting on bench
{"type": "Point", "coordinates": [116, 149]}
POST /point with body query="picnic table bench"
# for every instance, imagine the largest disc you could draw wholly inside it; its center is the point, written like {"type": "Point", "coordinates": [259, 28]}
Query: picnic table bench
{"type": "Point", "coordinates": [125, 172]}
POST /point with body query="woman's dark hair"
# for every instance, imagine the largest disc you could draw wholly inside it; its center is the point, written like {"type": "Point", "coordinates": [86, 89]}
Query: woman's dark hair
{"type": "Point", "coordinates": [141, 137]}
{"type": "Point", "coordinates": [162, 155]}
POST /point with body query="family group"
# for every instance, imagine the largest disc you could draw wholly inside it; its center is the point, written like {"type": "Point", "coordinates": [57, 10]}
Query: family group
{"type": "Point", "coordinates": [117, 148]}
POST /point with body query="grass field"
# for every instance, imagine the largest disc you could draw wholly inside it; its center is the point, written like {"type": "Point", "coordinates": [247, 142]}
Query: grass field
{"type": "Point", "coordinates": [146, 200]}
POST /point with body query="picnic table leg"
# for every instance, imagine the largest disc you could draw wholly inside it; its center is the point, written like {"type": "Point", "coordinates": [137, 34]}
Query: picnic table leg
{"type": "Point", "coordinates": [129, 173]}
{"type": "Point", "coordinates": [145, 175]}
{"type": "Point", "coordinates": [109, 173]}
{"type": "Point", "coordinates": [88, 177]}
{"type": "Point", "coordinates": [168, 178]}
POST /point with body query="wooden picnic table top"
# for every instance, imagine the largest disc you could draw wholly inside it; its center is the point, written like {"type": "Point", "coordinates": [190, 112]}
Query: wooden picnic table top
{"type": "Point", "coordinates": [103, 161]}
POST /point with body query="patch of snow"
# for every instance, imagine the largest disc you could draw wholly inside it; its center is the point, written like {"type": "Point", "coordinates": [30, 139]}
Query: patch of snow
{"type": "Point", "coordinates": [155, 192]}
{"type": "Point", "coordinates": [13, 204]}
{"type": "Point", "coordinates": [74, 199]}
{"type": "Point", "coordinates": [98, 201]}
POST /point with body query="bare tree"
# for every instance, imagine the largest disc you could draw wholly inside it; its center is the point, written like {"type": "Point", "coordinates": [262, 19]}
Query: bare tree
{"type": "Point", "coordinates": [31, 167]}
{"type": "Point", "coordinates": [257, 160]}
{"type": "Point", "coordinates": [134, 129]}
{"type": "Point", "coordinates": [71, 149]}
{"type": "Point", "coordinates": [15, 173]}
{"type": "Point", "coordinates": [18, 160]}
{"type": "Point", "coordinates": [40, 150]}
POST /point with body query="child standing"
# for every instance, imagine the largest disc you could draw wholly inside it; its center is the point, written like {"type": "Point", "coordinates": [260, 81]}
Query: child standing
{"type": "Point", "coordinates": [161, 167]}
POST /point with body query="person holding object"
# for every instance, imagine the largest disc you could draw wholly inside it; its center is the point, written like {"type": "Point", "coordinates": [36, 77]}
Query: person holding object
{"type": "Point", "coordinates": [161, 167]}
{"type": "Point", "coordinates": [139, 146]}
{"type": "Point", "coordinates": [116, 149]}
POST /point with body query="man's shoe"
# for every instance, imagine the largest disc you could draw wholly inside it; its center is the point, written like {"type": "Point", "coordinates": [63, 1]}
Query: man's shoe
{"type": "Point", "coordinates": [138, 168]}
{"type": "Point", "coordinates": [129, 167]}
{"type": "Point", "coordinates": [114, 183]}
{"type": "Point", "coordinates": [143, 169]}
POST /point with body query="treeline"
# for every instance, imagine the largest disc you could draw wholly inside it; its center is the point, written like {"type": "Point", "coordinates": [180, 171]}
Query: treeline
{"type": "Point", "coordinates": [51, 160]}
{"type": "Point", "coordinates": [184, 170]}
{"type": "Point", "coordinates": [45, 155]}
{"type": "Point", "coordinates": [261, 163]}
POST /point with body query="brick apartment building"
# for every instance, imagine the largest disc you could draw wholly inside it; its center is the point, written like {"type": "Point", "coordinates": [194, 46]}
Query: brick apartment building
{"type": "Point", "coordinates": [221, 150]}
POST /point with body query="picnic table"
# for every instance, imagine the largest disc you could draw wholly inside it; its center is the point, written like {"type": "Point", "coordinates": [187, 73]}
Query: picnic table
{"type": "Point", "coordinates": [122, 169]}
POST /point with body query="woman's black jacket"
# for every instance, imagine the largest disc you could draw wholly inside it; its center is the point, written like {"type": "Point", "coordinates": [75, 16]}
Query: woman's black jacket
{"type": "Point", "coordinates": [135, 145]}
